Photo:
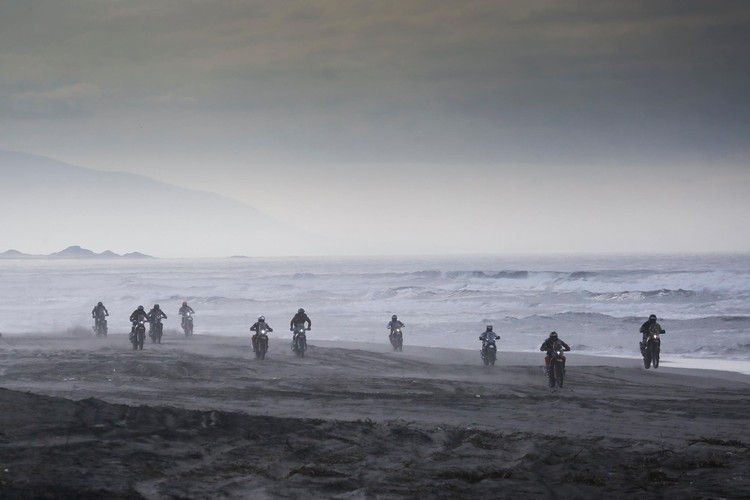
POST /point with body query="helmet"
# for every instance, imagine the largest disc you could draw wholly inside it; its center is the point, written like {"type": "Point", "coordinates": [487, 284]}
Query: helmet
{"type": "Point", "coordinates": [156, 306]}
{"type": "Point", "coordinates": [261, 318]}
{"type": "Point", "coordinates": [652, 317]}
{"type": "Point", "coordinates": [100, 304]}
{"type": "Point", "coordinates": [300, 311]}
{"type": "Point", "coordinates": [184, 302]}
{"type": "Point", "coordinates": [553, 335]}
{"type": "Point", "coordinates": [489, 328]}
{"type": "Point", "coordinates": [140, 308]}
{"type": "Point", "coordinates": [394, 317]}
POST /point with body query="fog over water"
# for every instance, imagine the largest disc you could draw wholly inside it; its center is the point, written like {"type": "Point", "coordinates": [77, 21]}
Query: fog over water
{"type": "Point", "coordinates": [429, 128]}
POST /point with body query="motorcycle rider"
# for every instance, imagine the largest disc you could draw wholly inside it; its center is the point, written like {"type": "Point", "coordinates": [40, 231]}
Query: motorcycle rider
{"type": "Point", "coordinates": [549, 344]}
{"type": "Point", "coordinates": [394, 324]}
{"type": "Point", "coordinates": [135, 317]}
{"type": "Point", "coordinates": [487, 336]}
{"type": "Point", "coordinates": [299, 320]}
{"type": "Point", "coordinates": [99, 311]}
{"type": "Point", "coordinates": [154, 315]}
{"type": "Point", "coordinates": [257, 327]}
{"type": "Point", "coordinates": [647, 328]}
{"type": "Point", "coordinates": [184, 310]}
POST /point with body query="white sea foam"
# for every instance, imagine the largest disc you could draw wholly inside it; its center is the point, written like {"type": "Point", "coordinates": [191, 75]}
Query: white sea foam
{"type": "Point", "coordinates": [597, 305]}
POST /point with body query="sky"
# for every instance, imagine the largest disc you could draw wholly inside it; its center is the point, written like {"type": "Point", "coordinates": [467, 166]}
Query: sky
{"type": "Point", "coordinates": [419, 126]}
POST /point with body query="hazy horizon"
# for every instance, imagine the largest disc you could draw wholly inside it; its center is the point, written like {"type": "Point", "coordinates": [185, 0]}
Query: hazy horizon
{"type": "Point", "coordinates": [412, 128]}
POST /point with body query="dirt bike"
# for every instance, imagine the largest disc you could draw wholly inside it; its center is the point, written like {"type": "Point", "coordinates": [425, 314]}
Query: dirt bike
{"type": "Point", "coordinates": [261, 344]}
{"type": "Point", "coordinates": [100, 326]}
{"type": "Point", "coordinates": [187, 324]}
{"type": "Point", "coordinates": [397, 339]}
{"type": "Point", "coordinates": [489, 352]}
{"type": "Point", "coordinates": [138, 335]}
{"type": "Point", "coordinates": [299, 341]}
{"type": "Point", "coordinates": [556, 368]}
{"type": "Point", "coordinates": [651, 348]}
{"type": "Point", "coordinates": [155, 331]}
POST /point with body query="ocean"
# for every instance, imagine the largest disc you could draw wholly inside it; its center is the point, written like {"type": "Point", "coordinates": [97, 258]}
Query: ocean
{"type": "Point", "coordinates": [596, 304]}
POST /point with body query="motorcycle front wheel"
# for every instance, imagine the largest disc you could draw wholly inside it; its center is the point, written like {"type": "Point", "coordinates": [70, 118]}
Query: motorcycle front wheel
{"type": "Point", "coordinates": [559, 374]}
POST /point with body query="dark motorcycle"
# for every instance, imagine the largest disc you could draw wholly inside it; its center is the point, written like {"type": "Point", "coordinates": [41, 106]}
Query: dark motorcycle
{"type": "Point", "coordinates": [100, 326]}
{"type": "Point", "coordinates": [261, 344]}
{"type": "Point", "coordinates": [489, 352]}
{"type": "Point", "coordinates": [556, 369]}
{"type": "Point", "coordinates": [187, 324]}
{"type": "Point", "coordinates": [155, 331]}
{"type": "Point", "coordinates": [138, 335]}
{"type": "Point", "coordinates": [299, 341]}
{"type": "Point", "coordinates": [397, 339]}
{"type": "Point", "coordinates": [651, 348]}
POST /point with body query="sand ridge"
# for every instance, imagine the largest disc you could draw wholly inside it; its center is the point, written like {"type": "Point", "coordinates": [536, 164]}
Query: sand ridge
{"type": "Point", "coordinates": [201, 417]}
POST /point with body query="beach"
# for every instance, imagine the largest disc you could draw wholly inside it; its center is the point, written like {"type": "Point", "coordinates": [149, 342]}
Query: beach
{"type": "Point", "coordinates": [202, 418]}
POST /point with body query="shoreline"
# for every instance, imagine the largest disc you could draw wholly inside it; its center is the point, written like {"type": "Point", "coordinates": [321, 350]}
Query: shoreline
{"type": "Point", "coordinates": [736, 370]}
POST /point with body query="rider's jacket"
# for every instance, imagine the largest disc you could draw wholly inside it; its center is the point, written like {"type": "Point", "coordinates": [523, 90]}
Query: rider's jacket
{"type": "Point", "coordinates": [138, 314]}
{"type": "Point", "coordinates": [99, 310]}
{"type": "Point", "coordinates": [258, 326]}
{"type": "Point", "coordinates": [186, 309]}
{"type": "Point", "coordinates": [395, 324]}
{"type": "Point", "coordinates": [156, 313]}
{"type": "Point", "coordinates": [487, 336]}
{"type": "Point", "coordinates": [646, 328]}
{"type": "Point", "coordinates": [548, 344]}
{"type": "Point", "coordinates": [300, 319]}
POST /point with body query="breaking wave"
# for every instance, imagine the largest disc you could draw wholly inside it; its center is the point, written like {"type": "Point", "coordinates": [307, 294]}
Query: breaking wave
{"type": "Point", "coordinates": [703, 304]}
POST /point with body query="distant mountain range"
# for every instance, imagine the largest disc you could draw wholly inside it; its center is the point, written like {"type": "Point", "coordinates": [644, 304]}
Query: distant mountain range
{"type": "Point", "coordinates": [74, 252]}
{"type": "Point", "coordinates": [46, 204]}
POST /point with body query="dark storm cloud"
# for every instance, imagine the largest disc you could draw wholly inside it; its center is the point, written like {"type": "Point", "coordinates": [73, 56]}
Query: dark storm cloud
{"type": "Point", "coordinates": [418, 80]}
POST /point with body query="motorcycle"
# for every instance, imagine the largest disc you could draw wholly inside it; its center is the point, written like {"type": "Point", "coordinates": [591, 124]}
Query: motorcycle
{"type": "Point", "coordinates": [299, 341]}
{"type": "Point", "coordinates": [489, 352]}
{"type": "Point", "coordinates": [156, 330]}
{"type": "Point", "coordinates": [397, 339]}
{"type": "Point", "coordinates": [556, 369]}
{"type": "Point", "coordinates": [100, 326]}
{"type": "Point", "coordinates": [187, 324]}
{"type": "Point", "coordinates": [138, 335]}
{"type": "Point", "coordinates": [261, 344]}
{"type": "Point", "coordinates": [651, 348]}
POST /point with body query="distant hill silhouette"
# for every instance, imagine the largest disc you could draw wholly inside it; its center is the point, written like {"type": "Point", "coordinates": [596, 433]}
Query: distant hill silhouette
{"type": "Point", "coordinates": [73, 252]}
{"type": "Point", "coordinates": [47, 202]}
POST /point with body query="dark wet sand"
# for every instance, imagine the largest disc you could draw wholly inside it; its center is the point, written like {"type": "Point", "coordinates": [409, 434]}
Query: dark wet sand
{"type": "Point", "coordinates": [201, 418]}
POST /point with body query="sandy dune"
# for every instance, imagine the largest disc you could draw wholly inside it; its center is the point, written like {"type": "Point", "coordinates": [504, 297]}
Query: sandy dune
{"type": "Point", "coordinates": [200, 417]}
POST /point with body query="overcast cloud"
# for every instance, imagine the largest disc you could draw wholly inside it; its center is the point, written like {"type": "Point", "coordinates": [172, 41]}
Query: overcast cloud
{"type": "Point", "coordinates": [549, 121]}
